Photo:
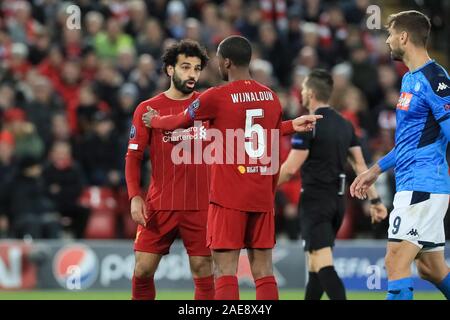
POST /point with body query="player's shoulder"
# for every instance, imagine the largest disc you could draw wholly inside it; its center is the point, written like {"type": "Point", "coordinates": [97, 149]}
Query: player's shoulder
{"type": "Point", "coordinates": [215, 89]}
{"type": "Point", "coordinates": [263, 86]}
{"type": "Point", "coordinates": [335, 118]}
{"type": "Point", "coordinates": [153, 102]}
{"type": "Point", "coordinates": [437, 78]}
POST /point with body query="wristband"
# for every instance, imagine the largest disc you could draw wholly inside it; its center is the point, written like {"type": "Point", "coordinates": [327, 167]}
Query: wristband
{"type": "Point", "coordinates": [376, 200]}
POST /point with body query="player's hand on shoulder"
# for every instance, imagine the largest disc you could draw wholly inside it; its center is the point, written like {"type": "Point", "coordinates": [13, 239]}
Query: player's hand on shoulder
{"type": "Point", "coordinates": [305, 123]}
{"type": "Point", "coordinates": [139, 210]}
{"type": "Point", "coordinates": [147, 117]}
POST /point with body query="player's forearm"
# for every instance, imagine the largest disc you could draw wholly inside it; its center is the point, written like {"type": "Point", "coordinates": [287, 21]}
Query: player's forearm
{"type": "Point", "coordinates": [133, 174]}
{"type": "Point", "coordinates": [286, 174]}
{"type": "Point", "coordinates": [360, 167]}
{"type": "Point", "coordinates": [387, 162]}
{"type": "Point", "coordinates": [372, 193]}
{"type": "Point", "coordinates": [172, 122]}
{"type": "Point", "coordinates": [287, 128]}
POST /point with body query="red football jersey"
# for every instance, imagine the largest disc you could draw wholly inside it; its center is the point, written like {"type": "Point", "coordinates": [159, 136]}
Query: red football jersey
{"type": "Point", "coordinates": [245, 121]}
{"type": "Point", "coordinates": [173, 185]}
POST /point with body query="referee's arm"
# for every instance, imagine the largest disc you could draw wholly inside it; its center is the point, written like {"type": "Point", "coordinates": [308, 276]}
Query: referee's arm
{"type": "Point", "coordinates": [292, 164]}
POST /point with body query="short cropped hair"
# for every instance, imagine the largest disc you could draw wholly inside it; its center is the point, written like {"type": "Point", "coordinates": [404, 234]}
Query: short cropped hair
{"type": "Point", "coordinates": [238, 49]}
{"type": "Point", "coordinates": [415, 23]}
{"type": "Point", "coordinates": [321, 83]}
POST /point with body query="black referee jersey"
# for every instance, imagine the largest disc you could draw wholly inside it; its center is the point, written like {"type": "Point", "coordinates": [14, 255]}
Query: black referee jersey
{"type": "Point", "coordinates": [328, 147]}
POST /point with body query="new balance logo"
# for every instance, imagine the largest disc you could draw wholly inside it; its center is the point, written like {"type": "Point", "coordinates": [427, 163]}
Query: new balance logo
{"type": "Point", "coordinates": [442, 86]}
{"type": "Point", "coordinates": [413, 232]}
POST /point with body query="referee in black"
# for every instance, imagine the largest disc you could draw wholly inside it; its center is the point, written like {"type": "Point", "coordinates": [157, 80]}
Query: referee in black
{"type": "Point", "coordinates": [322, 154]}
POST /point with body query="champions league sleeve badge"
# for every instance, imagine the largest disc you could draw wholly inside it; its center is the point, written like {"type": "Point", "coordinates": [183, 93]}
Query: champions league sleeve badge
{"type": "Point", "coordinates": [132, 132]}
{"type": "Point", "coordinates": [193, 108]}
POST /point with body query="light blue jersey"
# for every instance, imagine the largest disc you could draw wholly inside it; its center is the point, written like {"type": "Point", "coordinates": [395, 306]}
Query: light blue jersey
{"type": "Point", "coordinates": [423, 132]}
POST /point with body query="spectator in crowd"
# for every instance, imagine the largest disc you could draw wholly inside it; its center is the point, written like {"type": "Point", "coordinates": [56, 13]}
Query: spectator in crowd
{"type": "Point", "coordinates": [64, 183]}
{"type": "Point", "coordinates": [100, 153]}
{"type": "Point", "coordinates": [7, 172]}
{"type": "Point", "coordinates": [109, 43]}
{"type": "Point", "coordinates": [31, 212]}
{"type": "Point", "coordinates": [150, 38]}
{"type": "Point", "coordinates": [42, 107]}
{"type": "Point", "coordinates": [27, 140]}
{"type": "Point", "coordinates": [53, 80]}
{"type": "Point", "coordinates": [123, 112]}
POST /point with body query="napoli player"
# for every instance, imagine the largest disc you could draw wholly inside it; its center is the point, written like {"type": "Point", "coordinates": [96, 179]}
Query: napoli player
{"type": "Point", "coordinates": [416, 225]}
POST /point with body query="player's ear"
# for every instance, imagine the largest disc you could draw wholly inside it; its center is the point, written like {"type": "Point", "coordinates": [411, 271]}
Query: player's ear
{"type": "Point", "coordinates": [227, 63]}
{"type": "Point", "coordinates": [404, 36]}
{"type": "Point", "coordinates": [170, 70]}
{"type": "Point", "coordinates": [311, 94]}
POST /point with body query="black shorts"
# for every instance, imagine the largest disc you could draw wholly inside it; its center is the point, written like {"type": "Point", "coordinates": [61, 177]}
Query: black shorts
{"type": "Point", "coordinates": [321, 217]}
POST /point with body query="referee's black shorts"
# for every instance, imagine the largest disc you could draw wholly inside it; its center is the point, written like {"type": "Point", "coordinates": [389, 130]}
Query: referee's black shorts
{"type": "Point", "coordinates": [321, 216]}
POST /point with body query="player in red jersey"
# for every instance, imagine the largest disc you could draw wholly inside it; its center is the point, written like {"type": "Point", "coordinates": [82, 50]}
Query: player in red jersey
{"type": "Point", "coordinates": [170, 208]}
{"type": "Point", "coordinates": [241, 212]}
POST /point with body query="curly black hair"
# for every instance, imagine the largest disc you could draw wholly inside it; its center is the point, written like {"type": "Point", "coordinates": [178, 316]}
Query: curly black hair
{"type": "Point", "coordinates": [189, 48]}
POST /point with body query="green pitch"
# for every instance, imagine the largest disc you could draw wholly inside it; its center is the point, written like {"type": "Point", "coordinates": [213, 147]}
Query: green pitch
{"type": "Point", "coordinates": [185, 295]}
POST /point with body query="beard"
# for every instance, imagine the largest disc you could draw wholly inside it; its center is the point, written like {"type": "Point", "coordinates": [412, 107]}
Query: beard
{"type": "Point", "coordinates": [397, 54]}
{"type": "Point", "coordinates": [181, 85]}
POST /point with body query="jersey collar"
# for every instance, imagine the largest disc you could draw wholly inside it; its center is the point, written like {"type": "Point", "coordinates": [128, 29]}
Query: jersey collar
{"type": "Point", "coordinates": [423, 66]}
{"type": "Point", "coordinates": [321, 108]}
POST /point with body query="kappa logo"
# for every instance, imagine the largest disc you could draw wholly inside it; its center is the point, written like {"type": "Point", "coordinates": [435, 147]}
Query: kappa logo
{"type": "Point", "coordinates": [413, 232]}
{"type": "Point", "coordinates": [442, 86]}
{"type": "Point", "coordinates": [404, 101]}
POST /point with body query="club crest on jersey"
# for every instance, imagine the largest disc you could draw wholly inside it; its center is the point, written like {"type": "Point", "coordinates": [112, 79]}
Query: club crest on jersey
{"type": "Point", "coordinates": [132, 132]}
{"type": "Point", "coordinates": [404, 101]}
{"type": "Point", "coordinates": [193, 107]}
{"type": "Point", "coordinates": [417, 87]}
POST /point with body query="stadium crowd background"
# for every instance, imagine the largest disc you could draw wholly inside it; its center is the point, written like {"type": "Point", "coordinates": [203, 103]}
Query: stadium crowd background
{"type": "Point", "coordinates": [67, 96]}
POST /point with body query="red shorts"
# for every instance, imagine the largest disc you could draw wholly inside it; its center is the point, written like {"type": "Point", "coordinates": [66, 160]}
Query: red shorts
{"type": "Point", "coordinates": [234, 229]}
{"type": "Point", "coordinates": [164, 226]}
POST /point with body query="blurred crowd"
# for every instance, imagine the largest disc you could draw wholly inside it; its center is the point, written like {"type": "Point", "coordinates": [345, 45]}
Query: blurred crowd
{"type": "Point", "coordinates": [67, 94]}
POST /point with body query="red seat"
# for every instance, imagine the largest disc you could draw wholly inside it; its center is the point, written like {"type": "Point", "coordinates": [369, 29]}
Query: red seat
{"type": "Point", "coordinates": [101, 225]}
{"type": "Point", "coordinates": [103, 204]}
{"type": "Point", "coordinates": [128, 226]}
{"type": "Point", "coordinates": [99, 198]}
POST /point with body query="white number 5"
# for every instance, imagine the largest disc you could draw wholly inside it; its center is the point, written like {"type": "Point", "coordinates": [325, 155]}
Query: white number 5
{"type": "Point", "coordinates": [251, 128]}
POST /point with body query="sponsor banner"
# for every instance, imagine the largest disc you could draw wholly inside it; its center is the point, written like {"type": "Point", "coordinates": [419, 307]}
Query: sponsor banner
{"type": "Point", "coordinates": [108, 265]}
{"type": "Point", "coordinates": [16, 270]}
{"type": "Point", "coordinates": [360, 264]}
